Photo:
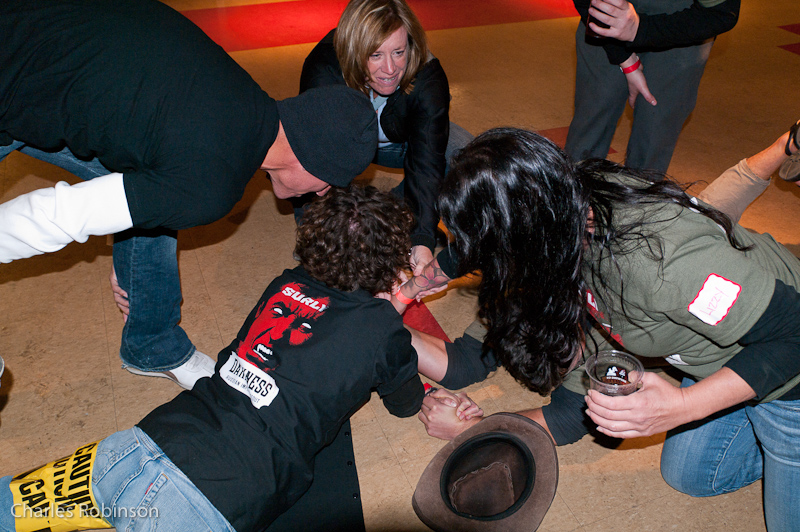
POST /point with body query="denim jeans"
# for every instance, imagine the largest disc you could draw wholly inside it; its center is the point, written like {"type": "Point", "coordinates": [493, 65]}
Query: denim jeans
{"type": "Point", "coordinates": [146, 263]}
{"type": "Point", "coordinates": [736, 448]}
{"type": "Point", "coordinates": [138, 488]}
{"type": "Point", "coordinates": [394, 155]}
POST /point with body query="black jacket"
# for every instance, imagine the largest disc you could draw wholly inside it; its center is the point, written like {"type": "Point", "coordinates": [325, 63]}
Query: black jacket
{"type": "Point", "coordinates": [661, 31]}
{"type": "Point", "coordinates": [421, 119]}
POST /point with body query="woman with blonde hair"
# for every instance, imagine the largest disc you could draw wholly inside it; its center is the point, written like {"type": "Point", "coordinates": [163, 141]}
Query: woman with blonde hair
{"type": "Point", "coordinates": [379, 48]}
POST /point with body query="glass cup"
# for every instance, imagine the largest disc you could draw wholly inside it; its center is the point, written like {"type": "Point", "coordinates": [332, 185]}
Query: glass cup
{"type": "Point", "coordinates": [614, 372]}
{"type": "Point", "coordinates": [590, 33]}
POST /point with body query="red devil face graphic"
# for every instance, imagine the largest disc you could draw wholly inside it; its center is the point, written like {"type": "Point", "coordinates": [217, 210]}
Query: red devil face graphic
{"type": "Point", "coordinates": [286, 319]}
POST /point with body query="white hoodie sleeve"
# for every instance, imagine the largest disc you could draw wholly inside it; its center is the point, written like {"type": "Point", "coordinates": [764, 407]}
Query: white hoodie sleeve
{"type": "Point", "coordinates": [48, 219]}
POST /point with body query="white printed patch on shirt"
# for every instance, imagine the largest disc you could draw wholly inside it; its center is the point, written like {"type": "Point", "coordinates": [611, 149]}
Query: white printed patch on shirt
{"type": "Point", "coordinates": [249, 380]}
{"type": "Point", "coordinates": [715, 299]}
{"type": "Point", "coordinates": [676, 360]}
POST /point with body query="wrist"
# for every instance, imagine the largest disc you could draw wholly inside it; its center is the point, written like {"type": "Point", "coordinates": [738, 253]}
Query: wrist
{"type": "Point", "coordinates": [631, 68]}
{"type": "Point", "coordinates": [402, 298]}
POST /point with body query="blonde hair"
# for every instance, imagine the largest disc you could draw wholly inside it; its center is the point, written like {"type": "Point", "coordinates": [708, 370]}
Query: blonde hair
{"type": "Point", "coordinates": [364, 27]}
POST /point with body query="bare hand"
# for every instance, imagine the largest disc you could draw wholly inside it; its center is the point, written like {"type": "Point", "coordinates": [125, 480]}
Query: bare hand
{"type": "Point", "coordinates": [430, 281]}
{"type": "Point", "coordinates": [657, 407]}
{"type": "Point", "coordinates": [440, 416]}
{"type": "Point", "coordinates": [621, 17]}
{"type": "Point", "coordinates": [637, 84]}
{"type": "Point", "coordinates": [421, 256]}
{"type": "Point", "coordinates": [467, 408]}
{"type": "Point", "coordinates": [120, 296]}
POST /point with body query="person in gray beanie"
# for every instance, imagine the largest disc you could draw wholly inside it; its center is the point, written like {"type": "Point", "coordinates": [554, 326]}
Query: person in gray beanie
{"type": "Point", "coordinates": [166, 130]}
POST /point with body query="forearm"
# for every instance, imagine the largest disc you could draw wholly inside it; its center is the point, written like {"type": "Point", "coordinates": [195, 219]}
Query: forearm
{"type": "Point", "coordinates": [431, 354]}
{"type": "Point", "coordinates": [421, 188]}
{"type": "Point", "coordinates": [432, 277]}
{"type": "Point", "coordinates": [48, 219]}
{"type": "Point", "coordinates": [771, 354]}
{"type": "Point", "coordinates": [689, 26]}
{"type": "Point", "coordinates": [720, 390]}
{"type": "Point", "coordinates": [536, 415]}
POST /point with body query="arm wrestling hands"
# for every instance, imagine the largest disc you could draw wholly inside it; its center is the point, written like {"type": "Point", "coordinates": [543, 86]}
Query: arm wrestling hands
{"type": "Point", "coordinates": [446, 415]}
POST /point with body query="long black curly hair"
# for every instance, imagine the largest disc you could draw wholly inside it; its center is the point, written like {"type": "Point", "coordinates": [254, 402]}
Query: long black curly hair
{"type": "Point", "coordinates": [523, 215]}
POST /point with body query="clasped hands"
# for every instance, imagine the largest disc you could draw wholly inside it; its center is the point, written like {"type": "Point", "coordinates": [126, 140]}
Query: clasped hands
{"type": "Point", "coordinates": [446, 414]}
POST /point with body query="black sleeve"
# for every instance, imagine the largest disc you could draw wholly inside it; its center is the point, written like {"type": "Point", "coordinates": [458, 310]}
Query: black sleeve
{"type": "Point", "coordinates": [424, 165]}
{"type": "Point", "coordinates": [448, 262]}
{"type": "Point", "coordinates": [466, 363]}
{"type": "Point", "coordinates": [566, 416]}
{"type": "Point", "coordinates": [692, 25]}
{"type": "Point", "coordinates": [321, 67]}
{"type": "Point", "coordinates": [406, 400]}
{"type": "Point", "coordinates": [399, 384]}
{"type": "Point", "coordinates": [771, 354]}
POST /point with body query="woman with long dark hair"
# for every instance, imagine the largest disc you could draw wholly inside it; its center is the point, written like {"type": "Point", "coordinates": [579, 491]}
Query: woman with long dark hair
{"type": "Point", "coordinates": [576, 258]}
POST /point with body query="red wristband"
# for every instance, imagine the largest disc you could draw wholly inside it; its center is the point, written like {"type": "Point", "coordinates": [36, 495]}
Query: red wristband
{"type": "Point", "coordinates": [403, 299]}
{"type": "Point", "coordinates": [632, 68]}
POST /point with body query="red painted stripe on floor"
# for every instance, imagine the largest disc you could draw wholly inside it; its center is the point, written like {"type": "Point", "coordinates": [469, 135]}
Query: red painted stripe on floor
{"type": "Point", "coordinates": [420, 318]}
{"type": "Point", "coordinates": [284, 23]}
{"type": "Point", "coordinates": [794, 28]}
{"type": "Point", "coordinates": [794, 48]}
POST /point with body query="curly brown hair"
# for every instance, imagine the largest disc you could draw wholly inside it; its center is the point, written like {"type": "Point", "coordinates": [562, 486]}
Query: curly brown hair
{"type": "Point", "coordinates": [355, 237]}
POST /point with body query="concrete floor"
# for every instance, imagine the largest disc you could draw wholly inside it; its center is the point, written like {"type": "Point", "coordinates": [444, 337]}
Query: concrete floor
{"type": "Point", "coordinates": [60, 329]}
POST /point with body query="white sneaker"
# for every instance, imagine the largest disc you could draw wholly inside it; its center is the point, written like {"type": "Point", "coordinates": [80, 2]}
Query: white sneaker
{"type": "Point", "coordinates": [187, 374]}
{"type": "Point", "coordinates": [790, 169]}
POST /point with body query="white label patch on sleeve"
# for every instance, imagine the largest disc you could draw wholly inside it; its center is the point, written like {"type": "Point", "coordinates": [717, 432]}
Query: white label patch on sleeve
{"type": "Point", "coordinates": [715, 299]}
{"type": "Point", "coordinates": [249, 380]}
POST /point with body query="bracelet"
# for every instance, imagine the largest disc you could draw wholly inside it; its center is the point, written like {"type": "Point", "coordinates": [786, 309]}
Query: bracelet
{"type": "Point", "coordinates": [403, 299]}
{"type": "Point", "coordinates": [632, 68]}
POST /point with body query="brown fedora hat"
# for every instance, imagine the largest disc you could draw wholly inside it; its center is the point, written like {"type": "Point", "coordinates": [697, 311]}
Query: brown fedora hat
{"type": "Point", "coordinates": [501, 474]}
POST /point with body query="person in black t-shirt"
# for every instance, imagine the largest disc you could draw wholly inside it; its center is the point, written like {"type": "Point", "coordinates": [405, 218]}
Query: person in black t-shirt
{"type": "Point", "coordinates": [238, 449]}
{"type": "Point", "coordinates": [166, 129]}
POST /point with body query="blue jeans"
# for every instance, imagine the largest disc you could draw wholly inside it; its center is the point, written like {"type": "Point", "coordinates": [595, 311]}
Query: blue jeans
{"type": "Point", "coordinates": [138, 488]}
{"type": "Point", "coordinates": [394, 156]}
{"type": "Point", "coordinates": [738, 447]}
{"type": "Point", "coordinates": [146, 263]}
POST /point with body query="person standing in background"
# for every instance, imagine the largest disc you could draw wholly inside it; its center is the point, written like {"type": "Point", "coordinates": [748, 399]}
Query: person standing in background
{"type": "Point", "coordinates": [650, 53]}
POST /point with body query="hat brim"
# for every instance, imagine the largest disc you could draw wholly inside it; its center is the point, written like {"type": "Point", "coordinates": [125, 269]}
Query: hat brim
{"type": "Point", "coordinates": [434, 511]}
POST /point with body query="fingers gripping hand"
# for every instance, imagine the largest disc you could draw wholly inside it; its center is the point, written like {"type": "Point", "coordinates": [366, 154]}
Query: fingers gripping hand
{"type": "Point", "coordinates": [657, 407]}
{"type": "Point", "coordinates": [440, 416]}
{"type": "Point", "coordinates": [421, 256]}
{"type": "Point", "coordinates": [467, 408]}
{"type": "Point", "coordinates": [120, 295]}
